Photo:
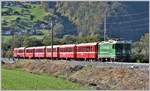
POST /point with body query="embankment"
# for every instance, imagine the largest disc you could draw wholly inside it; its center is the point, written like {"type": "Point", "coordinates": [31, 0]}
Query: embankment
{"type": "Point", "coordinates": [104, 78]}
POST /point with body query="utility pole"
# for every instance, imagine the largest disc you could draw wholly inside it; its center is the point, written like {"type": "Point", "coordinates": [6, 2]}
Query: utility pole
{"type": "Point", "coordinates": [105, 20]}
{"type": "Point", "coordinates": [52, 40]}
{"type": "Point", "coordinates": [13, 44]}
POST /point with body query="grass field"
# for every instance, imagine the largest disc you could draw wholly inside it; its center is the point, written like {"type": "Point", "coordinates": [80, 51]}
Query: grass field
{"type": "Point", "coordinates": [20, 80]}
{"type": "Point", "coordinates": [36, 10]}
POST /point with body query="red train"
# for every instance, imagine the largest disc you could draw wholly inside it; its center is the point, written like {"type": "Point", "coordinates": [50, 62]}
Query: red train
{"type": "Point", "coordinates": [71, 51]}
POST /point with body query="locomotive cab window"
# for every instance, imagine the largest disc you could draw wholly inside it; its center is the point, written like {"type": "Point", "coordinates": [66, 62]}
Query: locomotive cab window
{"type": "Point", "coordinates": [113, 46]}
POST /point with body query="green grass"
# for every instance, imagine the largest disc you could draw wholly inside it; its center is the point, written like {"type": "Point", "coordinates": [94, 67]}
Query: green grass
{"type": "Point", "coordinates": [9, 18]}
{"type": "Point", "coordinates": [44, 31]}
{"type": "Point", "coordinates": [20, 80]}
{"type": "Point", "coordinates": [38, 12]}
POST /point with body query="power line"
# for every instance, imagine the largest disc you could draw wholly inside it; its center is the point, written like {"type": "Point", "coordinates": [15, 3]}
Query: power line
{"type": "Point", "coordinates": [145, 12]}
{"type": "Point", "coordinates": [131, 21]}
{"type": "Point", "coordinates": [137, 29]}
{"type": "Point", "coordinates": [141, 25]}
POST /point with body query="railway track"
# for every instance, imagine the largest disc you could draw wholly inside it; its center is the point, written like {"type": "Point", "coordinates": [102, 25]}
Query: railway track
{"type": "Point", "coordinates": [111, 64]}
{"type": "Point", "coordinates": [141, 66]}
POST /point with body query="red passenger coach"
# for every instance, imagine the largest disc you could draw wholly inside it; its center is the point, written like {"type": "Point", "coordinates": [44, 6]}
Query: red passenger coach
{"type": "Point", "coordinates": [55, 51]}
{"type": "Point", "coordinates": [67, 51]}
{"type": "Point", "coordinates": [20, 52]}
{"type": "Point", "coordinates": [40, 52]}
{"type": "Point", "coordinates": [87, 50]}
{"type": "Point", "coordinates": [29, 52]}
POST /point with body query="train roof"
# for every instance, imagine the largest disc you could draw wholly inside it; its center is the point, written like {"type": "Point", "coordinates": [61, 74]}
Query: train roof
{"type": "Point", "coordinates": [30, 47]}
{"type": "Point", "coordinates": [67, 45]}
{"type": "Point", "coordinates": [115, 42]}
{"type": "Point", "coordinates": [21, 48]}
{"type": "Point", "coordinates": [87, 44]}
{"type": "Point", "coordinates": [39, 47]}
{"type": "Point", "coordinates": [54, 46]}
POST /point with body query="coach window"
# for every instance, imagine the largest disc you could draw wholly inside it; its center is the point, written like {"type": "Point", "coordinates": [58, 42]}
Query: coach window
{"type": "Point", "coordinates": [69, 49]}
{"type": "Point", "coordinates": [48, 50]}
{"type": "Point", "coordinates": [82, 49]}
{"type": "Point", "coordinates": [61, 50]}
{"type": "Point", "coordinates": [54, 50]}
{"type": "Point", "coordinates": [28, 51]}
{"type": "Point", "coordinates": [20, 51]}
{"type": "Point", "coordinates": [39, 50]}
{"type": "Point", "coordinates": [93, 48]}
{"type": "Point", "coordinates": [87, 49]}
{"type": "Point", "coordinates": [79, 49]}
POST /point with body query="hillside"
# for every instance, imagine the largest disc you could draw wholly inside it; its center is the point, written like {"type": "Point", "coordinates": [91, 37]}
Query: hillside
{"type": "Point", "coordinates": [22, 17]}
{"type": "Point", "coordinates": [77, 18]}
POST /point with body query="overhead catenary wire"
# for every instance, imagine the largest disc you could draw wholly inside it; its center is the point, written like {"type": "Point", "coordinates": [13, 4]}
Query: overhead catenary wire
{"type": "Point", "coordinates": [131, 21]}
{"type": "Point", "coordinates": [134, 14]}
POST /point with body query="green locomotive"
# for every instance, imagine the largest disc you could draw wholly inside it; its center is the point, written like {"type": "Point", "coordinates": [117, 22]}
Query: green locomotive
{"type": "Point", "coordinates": [114, 50]}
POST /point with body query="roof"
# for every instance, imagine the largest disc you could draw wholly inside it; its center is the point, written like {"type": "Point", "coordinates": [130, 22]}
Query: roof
{"type": "Point", "coordinates": [67, 45]}
{"type": "Point", "coordinates": [21, 48]}
{"type": "Point", "coordinates": [54, 46]}
{"type": "Point", "coordinates": [40, 47]}
{"type": "Point", "coordinates": [30, 47]}
{"type": "Point", "coordinates": [115, 42]}
{"type": "Point", "coordinates": [87, 44]}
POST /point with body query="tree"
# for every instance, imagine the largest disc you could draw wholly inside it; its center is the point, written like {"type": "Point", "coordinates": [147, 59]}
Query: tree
{"type": "Point", "coordinates": [26, 41]}
{"type": "Point", "coordinates": [35, 42]}
{"type": "Point", "coordinates": [88, 15]}
{"type": "Point", "coordinates": [46, 40]}
{"type": "Point", "coordinates": [140, 49]}
{"type": "Point", "coordinates": [68, 39]}
{"type": "Point", "coordinates": [32, 17]}
{"type": "Point", "coordinates": [58, 30]}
